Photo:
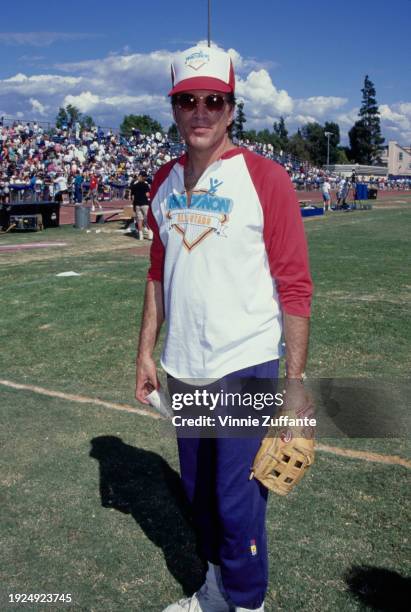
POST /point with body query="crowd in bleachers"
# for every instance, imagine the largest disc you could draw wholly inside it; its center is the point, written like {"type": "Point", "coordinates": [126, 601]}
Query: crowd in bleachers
{"type": "Point", "coordinates": [44, 164]}
{"type": "Point", "coordinates": [47, 163]}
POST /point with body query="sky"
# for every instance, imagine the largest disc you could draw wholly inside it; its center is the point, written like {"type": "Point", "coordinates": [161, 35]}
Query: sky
{"type": "Point", "coordinates": [303, 60]}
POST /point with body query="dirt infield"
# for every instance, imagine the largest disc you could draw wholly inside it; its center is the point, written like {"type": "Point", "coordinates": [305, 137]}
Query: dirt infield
{"type": "Point", "coordinates": [67, 212]}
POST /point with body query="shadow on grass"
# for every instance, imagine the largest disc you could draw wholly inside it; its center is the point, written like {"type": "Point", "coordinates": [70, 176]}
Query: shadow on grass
{"type": "Point", "coordinates": [141, 483]}
{"type": "Point", "coordinates": [379, 588]}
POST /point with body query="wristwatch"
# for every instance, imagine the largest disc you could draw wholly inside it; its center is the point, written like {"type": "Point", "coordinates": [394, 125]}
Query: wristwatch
{"type": "Point", "coordinates": [301, 378]}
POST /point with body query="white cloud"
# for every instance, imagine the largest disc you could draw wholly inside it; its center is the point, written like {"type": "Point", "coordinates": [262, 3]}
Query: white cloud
{"type": "Point", "coordinates": [349, 118]}
{"type": "Point", "coordinates": [405, 108]}
{"type": "Point", "coordinates": [259, 90]}
{"type": "Point", "coordinates": [303, 119]}
{"type": "Point", "coordinates": [85, 101]}
{"type": "Point", "coordinates": [319, 105]}
{"type": "Point", "coordinates": [41, 84]}
{"type": "Point", "coordinates": [390, 114]}
{"type": "Point", "coordinates": [42, 39]}
{"type": "Point", "coordinates": [38, 107]}
{"type": "Point", "coordinates": [126, 82]}
{"type": "Point", "coordinates": [396, 118]}
{"type": "Point", "coordinates": [31, 59]}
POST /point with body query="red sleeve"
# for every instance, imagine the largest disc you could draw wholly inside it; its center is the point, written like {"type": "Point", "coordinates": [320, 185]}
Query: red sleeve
{"type": "Point", "coordinates": [157, 250]}
{"type": "Point", "coordinates": [284, 235]}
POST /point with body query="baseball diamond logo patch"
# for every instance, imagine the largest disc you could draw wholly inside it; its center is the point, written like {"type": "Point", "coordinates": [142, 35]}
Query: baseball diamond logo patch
{"type": "Point", "coordinates": [207, 213]}
{"type": "Point", "coordinates": [197, 60]}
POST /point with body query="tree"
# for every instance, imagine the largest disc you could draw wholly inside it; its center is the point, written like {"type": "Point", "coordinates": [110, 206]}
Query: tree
{"type": "Point", "coordinates": [173, 132]}
{"type": "Point", "coordinates": [297, 146]}
{"type": "Point", "coordinates": [87, 122]}
{"type": "Point", "coordinates": [365, 135]}
{"type": "Point", "coordinates": [334, 130]}
{"type": "Point", "coordinates": [239, 121]}
{"type": "Point", "coordinates": [69, 115]}
{"type": "Point", "coordinates": [281, 132]}
{"type": "Point", "coordinates": [316, 142]}
{"type": "Point", "coordinates": [342, 156]}
{"type": "Point", "coordinates": [144, 123]}
{"type": "Point", "coordinates": [250, 135]}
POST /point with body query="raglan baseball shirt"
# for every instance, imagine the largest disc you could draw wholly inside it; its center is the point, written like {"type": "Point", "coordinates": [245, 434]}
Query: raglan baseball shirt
{"type": "Point", "coordinates": [230, 261]}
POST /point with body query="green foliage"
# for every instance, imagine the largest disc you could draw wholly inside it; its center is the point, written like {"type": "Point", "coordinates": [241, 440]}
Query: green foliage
{"type": "Point", "coordinates": [281, 132]}
{"type": "Point", "coordinates": [173, 133]}
{"type": "Point", "coordinates": [250, 135]}
{"type": "Point", "coordinates": [316, 141]}
{"type": "Point", "coordinates": [342, 157]}
{"type": "Point", "coordinates": [365, 135]}
{"type": "Point", "coordinates": [69, 115]}
{"type": "Point", "coordinates": [240, 120]}
{"type": "Point", "coordinates": [144, 123]}
{"type": "Point", "coordinates": [313, 134]}
{"type": "Point", "coordinates": [87, 122]}
{"type": "Point", "coordinates": [334, 130]}
{"type": "Point", "coordinates": [298, 146]}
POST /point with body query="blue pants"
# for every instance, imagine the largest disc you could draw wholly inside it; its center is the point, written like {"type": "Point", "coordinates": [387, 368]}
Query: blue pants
{"type": "Point", "coordinates": [228, 508]}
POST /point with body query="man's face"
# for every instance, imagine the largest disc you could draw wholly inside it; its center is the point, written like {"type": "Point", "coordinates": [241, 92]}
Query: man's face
{"type": "Point", "coordinates": [201, 128]}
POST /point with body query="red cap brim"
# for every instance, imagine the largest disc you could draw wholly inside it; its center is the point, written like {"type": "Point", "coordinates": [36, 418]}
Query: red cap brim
{"type": "Point", "coordinates": [201, 82]}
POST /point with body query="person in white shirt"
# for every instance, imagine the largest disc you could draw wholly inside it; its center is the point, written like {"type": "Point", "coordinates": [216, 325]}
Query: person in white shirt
{"type": "Point", "coordinates": [229, 272]}
{"type": "Point", "coordinates": [325, 190]}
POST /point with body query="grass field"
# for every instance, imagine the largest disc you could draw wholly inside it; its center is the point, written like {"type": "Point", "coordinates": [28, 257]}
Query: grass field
{"type": "Point", "coordinates": [344, 531]}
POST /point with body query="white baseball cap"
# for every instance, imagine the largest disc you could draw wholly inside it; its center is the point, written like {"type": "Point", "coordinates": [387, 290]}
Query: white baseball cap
{"type": "Point", "coordinates": [202, 68]}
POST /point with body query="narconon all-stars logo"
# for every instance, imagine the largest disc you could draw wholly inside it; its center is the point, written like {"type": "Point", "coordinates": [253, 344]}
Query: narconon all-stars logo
{"type": "Point", "coordinates": [206, 214]}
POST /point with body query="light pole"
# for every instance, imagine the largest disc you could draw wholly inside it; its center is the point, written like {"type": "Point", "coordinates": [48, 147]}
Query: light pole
{"type": "Point", "coordinates": [209, 24]}
{"type": "Point", "coordinates": [328, 134]}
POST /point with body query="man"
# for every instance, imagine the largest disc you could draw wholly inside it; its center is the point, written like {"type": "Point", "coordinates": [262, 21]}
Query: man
{"type": "Point", "coordinates": [325, 190]}
{"type": "Point", "coordinates": [229, 273]}
{"type": "Point", "coordinates": [93, 191]}
{"type": "Point", "coordinates": [342, 193]}
{"type": "Point", "coordinates": [140, 191]}
{"type": "Point", "coordinates": [61, 186]}
{"type": "Point", "coordinates": [78, 187]}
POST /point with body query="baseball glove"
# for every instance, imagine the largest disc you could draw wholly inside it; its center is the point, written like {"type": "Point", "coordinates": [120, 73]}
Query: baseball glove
{"type": "Point", "coordinates": [287, 452]}
{"type": "Point", "coordinates": [282, 461]}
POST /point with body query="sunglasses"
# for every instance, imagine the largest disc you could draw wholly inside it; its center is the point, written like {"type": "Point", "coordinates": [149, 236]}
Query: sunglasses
{"type": "Point", "coordinates": [188, 102]}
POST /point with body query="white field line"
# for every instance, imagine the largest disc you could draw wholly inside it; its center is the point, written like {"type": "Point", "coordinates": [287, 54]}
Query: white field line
{"type": "Point", "coordinates": [364, 455]}
{"type": "Point", "coordinates": [81, 399]}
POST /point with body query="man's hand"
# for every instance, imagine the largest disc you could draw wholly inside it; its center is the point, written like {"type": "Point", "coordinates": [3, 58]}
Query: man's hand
{"type": "Point", "coordinates": [146, 371]}
{"type": "Point", "coordinates": [287, 451]}
{"type": "Point", "coordinates": [297, 399]}
{"type": "Point", "coordinates": [146, 378]}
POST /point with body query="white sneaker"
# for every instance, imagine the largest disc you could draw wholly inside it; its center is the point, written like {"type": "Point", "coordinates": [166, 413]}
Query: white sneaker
{"type": "Point", "coordinates": [209, 598]}
{"type": "Point", "coordinates": [191, 604]}
{"type": "Point", "coordinates": [260, 609]}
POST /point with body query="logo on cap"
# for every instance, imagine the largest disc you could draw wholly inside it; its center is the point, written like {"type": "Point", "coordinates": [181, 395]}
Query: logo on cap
{"type": "Point", "coordinates": [197, 60]}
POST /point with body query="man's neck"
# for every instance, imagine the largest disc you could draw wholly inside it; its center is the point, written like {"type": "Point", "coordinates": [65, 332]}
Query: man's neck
{"type": "Point", "coordinates": [198, 161]}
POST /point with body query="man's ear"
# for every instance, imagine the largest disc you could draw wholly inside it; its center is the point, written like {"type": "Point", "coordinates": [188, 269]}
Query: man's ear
{"type": "Point", "coordinates": [231, 116]}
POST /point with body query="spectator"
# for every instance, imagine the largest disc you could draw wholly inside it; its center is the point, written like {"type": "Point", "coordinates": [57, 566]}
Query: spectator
{"type": "Point", "coordinates": [140, 191]}
{"type": "Point", "coordinates": [325, 190]}
{"type": "Point", "coordinates": [78, 188]}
